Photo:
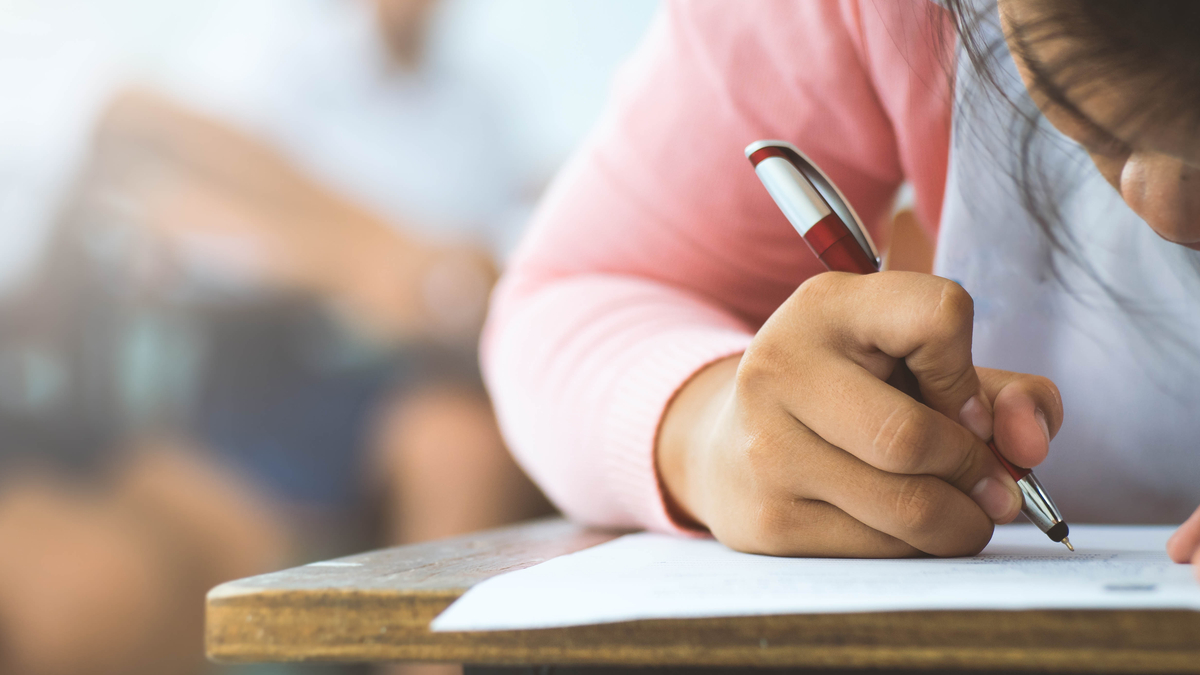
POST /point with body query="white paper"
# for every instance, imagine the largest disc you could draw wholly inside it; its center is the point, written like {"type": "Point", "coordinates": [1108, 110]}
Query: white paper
{"type": "Point", "coordinates": [649, 576]}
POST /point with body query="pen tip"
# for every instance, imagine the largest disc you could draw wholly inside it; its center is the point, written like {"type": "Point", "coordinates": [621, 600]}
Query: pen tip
{"type": "Point", "coordinates": [1067, 543]}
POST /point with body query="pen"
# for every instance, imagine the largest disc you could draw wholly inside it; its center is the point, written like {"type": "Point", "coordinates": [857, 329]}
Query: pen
{"type": "Point", "coordinates": [823, 217]}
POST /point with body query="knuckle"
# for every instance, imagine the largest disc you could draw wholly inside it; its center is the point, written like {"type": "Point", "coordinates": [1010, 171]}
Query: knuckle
{"type": "Point", "coordinates": [817, 287]}
{"type": "Point", "coordinates": [771, 354]}
{"type": "Point", "coordinates": [766, 355]}
{"type": "Point", "coordinates": [772, 357]}
{"type": "Point", "coordinates": [755, 370]}
{"type": "Point", "coordinates": [916, 505]}
{"type": "Point", "coordinates": [953, 313]}
{"type": "Point", "coordinates": [769, 529]}
{"type": "Point", "coordinates": [765, 458]}
{"type": "Point", "coordinates": [1045, 390]}
{"type": "Point", "coordinates": [970, 464]}
{"type": "Point", "coordinates": [948, 379]}
{"type": "Point", "coordinates": [774, 522]}
{"type": "Point", "coordinates": [902, 440]}
{"type": "Point", "coordinates": [816, 293]}
{"type": "Point", "coordinates": [760, 460]}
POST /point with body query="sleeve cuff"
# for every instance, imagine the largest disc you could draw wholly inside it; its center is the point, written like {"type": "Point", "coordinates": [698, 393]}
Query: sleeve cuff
{"type": "Point", "coordinates": [641, 400]}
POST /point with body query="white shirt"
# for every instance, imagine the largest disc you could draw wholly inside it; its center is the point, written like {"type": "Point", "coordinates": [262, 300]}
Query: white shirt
{"type": "Point", "coordinates": [427, 150]}
{"type": "Point", "coordinates": [1129, 373]}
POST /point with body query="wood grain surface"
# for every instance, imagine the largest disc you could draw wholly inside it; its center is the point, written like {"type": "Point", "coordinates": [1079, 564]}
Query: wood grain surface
{"type": "Point", "coordinates": [378, 606]}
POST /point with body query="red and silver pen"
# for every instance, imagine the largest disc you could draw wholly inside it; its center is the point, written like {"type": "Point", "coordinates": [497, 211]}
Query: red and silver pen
{"type": "Point", "coordinates": [823, 217]}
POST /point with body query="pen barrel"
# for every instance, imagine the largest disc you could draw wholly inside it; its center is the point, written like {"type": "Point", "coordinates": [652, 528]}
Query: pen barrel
{"type": "Point", "coordinates": [836, 247]}
{"type": "Point", "coordinates": [1013, 470]}
{"type": "Point", "coordinates": [1040, 509]}
{"type": "Point", "coordinates": [1037, 506]}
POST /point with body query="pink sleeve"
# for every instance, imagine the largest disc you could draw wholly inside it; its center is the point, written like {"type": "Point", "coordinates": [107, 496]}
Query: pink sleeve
{"type": "Point", "coordinates": [656, 250]}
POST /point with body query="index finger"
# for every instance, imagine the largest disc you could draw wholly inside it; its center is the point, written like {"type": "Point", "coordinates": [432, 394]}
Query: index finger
{"type": "Point", "coordinates": [924, 320]}
{"type": "Point", "coordinates": [852, 409]}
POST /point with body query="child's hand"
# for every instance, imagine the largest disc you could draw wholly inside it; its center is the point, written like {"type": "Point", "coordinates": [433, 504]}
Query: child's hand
{"type": "Point", "coordinates": [1184, 545]}
{"type": "Point", "coordinates": [804, 448]}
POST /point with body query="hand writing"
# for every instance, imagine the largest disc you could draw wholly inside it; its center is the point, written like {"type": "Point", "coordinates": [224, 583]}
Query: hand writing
{"type": "Point", "coordinates": [1184, 545]}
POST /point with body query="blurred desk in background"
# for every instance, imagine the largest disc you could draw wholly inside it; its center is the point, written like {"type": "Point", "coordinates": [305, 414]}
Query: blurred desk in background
{"type": "Point", "coordinates": [377, 606]}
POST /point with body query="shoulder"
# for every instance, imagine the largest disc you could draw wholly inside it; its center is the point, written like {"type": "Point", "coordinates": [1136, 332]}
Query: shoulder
{"type": "Point", "coordinates": [875, 74]}
{"type": "Point", "coordinates": [892, 29]}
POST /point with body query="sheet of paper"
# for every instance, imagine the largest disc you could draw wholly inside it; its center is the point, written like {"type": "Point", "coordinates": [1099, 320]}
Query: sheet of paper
{"type": "Point", "coordinates": [649, 576]}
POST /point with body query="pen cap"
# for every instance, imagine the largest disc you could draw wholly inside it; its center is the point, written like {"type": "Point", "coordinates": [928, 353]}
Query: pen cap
{"type": "Point", "coordinates": [806, 196]}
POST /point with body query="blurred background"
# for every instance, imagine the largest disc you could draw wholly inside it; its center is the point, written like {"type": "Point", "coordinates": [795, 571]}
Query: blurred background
{"type": "Point", "coordinates": [245, 251]}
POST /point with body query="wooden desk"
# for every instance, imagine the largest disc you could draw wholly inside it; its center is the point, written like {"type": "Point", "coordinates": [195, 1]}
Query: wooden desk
{"type": "Point", "coordinates": [377, 606]}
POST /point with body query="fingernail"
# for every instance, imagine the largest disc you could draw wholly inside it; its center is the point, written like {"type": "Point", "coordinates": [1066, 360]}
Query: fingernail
{"type": "Point", "coordinates": [975, 416]}
{"type": "Point", "coordinates": [995, 499]}
{"type": "Point", "coordinates": [1041, 420]}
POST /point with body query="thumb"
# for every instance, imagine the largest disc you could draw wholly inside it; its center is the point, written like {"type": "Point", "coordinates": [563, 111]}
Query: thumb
{"type": "Point", "coordinates": [1027, 411]}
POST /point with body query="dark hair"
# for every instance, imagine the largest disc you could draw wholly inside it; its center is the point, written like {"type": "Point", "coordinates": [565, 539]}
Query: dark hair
{"type": "Point", "coordinates": [1155, 46]}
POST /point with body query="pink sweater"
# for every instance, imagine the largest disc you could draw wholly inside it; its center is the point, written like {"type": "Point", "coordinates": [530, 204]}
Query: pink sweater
{"type": "Point", "coordinates": [657, 251]}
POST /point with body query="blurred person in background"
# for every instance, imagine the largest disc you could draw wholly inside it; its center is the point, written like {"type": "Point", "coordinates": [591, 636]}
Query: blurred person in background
{"type": "Point", "coordinates": [250, 338]}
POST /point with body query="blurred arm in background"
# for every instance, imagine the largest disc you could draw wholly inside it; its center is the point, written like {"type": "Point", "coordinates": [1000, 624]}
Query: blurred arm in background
{"type": "Point", "coordinates": [147, 543]}
{"type": "Point", "coordinates": [108, 575]}
{"type": "Point", "coordinates": [214, 192]}
{"type": "Point", "coordinates": [211, 190]}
